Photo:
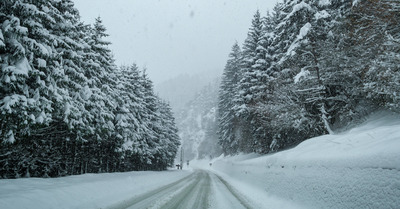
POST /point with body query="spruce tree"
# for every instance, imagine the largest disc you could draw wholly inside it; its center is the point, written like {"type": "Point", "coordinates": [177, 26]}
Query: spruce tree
{"type": "Point", "coordinates": [252, 63]}
{"type": "Point", "coordinates": [227, 117]}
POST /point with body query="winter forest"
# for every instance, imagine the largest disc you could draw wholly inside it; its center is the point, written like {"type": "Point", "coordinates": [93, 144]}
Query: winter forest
{"type": "Point", "coordinates": [307, 68]}
{"type": "Point", "coordinates": [65, 107]}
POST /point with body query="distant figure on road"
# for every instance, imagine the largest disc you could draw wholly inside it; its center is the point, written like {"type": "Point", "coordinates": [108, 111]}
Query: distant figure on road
{"type": "Point", "coordinates": [210, 164]}
{"type": "Point", "coordinates": [187, 163]}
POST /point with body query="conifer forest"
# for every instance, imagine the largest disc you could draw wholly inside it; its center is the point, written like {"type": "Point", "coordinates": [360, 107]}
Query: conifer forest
{"type": "Point", "coordinates": [306, 68]}
{"type": "Point", "coordinates": [65, 107]}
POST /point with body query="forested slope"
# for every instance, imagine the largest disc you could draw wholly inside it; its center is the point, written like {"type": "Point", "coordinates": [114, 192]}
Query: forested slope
{"type": "Point", "coordinates": [197, 124]}
{"type": "Point", "coordinates": [307, 68]}
{"type": "Point", "coordinates": [65, 107]}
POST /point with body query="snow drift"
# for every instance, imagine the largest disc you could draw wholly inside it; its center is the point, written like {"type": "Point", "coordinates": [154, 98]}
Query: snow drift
{"type": "Point", "coordinates": [359, 168]}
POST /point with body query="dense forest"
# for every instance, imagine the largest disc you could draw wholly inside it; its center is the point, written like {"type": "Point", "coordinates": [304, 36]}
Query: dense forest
{"type": "Point", "coordinates": [65, 107]}
{"type": "Point", "coordinates": [309, 67]}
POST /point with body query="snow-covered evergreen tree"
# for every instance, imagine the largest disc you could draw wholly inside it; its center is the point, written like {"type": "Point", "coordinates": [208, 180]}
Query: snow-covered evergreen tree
{"type": "Point", "coordinates": [229, 89]}
{"type": "Point", "coordinates": [168, 133]}
{"type": "Point", "coordinates": [252, 67]}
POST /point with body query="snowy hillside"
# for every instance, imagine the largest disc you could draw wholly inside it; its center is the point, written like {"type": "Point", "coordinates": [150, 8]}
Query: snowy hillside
{"type": "Point", "coordinates": [197, 123]}
{"type": "Point", "coordinates": [356, 169]}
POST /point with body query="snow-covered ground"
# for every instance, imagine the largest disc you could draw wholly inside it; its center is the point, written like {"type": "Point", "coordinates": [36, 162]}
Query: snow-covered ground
{"type": "Point", "coordinates": [83, 191]}
{"type": "Point", "coordinates": [356, 169]}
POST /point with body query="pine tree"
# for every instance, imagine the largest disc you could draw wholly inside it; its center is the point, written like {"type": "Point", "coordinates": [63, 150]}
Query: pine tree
{"type": "Point", "coordinates": [37, 61]}
{"type": "Point", "coordinates": [169, 139]}
{"type": "Point", "coordinates": [264, 86]}
{"type": "Point", "coordinates": [227, 118]}
{"type": "Point", "coordinates": [317, 93]}
{"type": "Point", "coordinates": [253, 63]}
{"type": "Point", "coordinates": [100, 71]}
{"type": "Point", "coordinates": [129, 122]}
{"type": "Point", "coordinates": [290, 120]}
{"type": "Point", "coordinates": [373, 36]}
{"type": "Point", "coordinates": [150, 137]}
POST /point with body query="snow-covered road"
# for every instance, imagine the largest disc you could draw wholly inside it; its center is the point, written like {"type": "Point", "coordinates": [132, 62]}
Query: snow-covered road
{"type": "Point", "coordinates": [89, 191]}
{"type": "Point", "coordinates": [201, 189]}
{"type": "Point", "coordinates": [190, 188]}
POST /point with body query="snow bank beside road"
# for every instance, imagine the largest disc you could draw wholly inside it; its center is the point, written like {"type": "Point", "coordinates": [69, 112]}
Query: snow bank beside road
{"type": "Point", "coordinates": [356, 169]}
{"type": "Point", "coordinates": [375, 144]}
{"type": "Point", "coordinates": [83, 191]}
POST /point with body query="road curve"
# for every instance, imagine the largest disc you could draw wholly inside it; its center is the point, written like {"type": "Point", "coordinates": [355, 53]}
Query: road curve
{"type": "Point", "coordinates": [201, 189]}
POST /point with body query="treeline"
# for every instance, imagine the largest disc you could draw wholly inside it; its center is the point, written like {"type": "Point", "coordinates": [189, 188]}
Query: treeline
{"type": "Point", "coordinates": [65, 107]}
{"type": "Point", "coordinates": [308, 68]}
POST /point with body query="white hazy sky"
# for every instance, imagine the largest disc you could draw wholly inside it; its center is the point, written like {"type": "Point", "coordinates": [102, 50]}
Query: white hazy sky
{"type": "Point", "coordinates": [173, 37]}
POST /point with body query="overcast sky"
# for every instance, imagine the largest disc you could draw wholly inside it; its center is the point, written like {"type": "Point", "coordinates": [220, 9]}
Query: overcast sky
{"type": "Point", "coordinates": [173, 37]}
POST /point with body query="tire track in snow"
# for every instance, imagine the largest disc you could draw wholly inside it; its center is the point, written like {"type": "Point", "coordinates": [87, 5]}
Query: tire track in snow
{"type": "Point", "coordinates": [148, 199]}
{"type": "Point", "coordinates": [243, 201]}
{"type": "Point", "coordinates": [202, 189]}
{"type": "Point", "coordinates": [195, 196]}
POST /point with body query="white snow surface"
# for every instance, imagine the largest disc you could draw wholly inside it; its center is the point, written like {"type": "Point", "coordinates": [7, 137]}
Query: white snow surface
{"type": "Point", "coordinates": [302, 33]}
{"type": "Point", "coordinates": [22, 67]}
{"type": "Point", "coordinates": [322, 15]}
{"type": "Point", "coordinates": [359, 168]}
{"type": "Point", "coordinates": [1, 40]}
{"type": "Point", "coordinates": [82, 191]}
{"type": "Point", "coordinates": [355, 2]}
{"type": "Point", "coordinates": [302, 74]}
{"type": "Point", "coordinates": [356, 169]}
{"type": "Point", "coordinates": [324, 2]}
{"type": "Point", "coordinates": [42, 63]}
{"type": "Point", "coordinates": [300, 6]}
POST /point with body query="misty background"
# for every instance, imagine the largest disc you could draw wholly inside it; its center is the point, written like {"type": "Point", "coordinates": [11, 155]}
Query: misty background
{"type": "Point", "coordinates": [173, 37]}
